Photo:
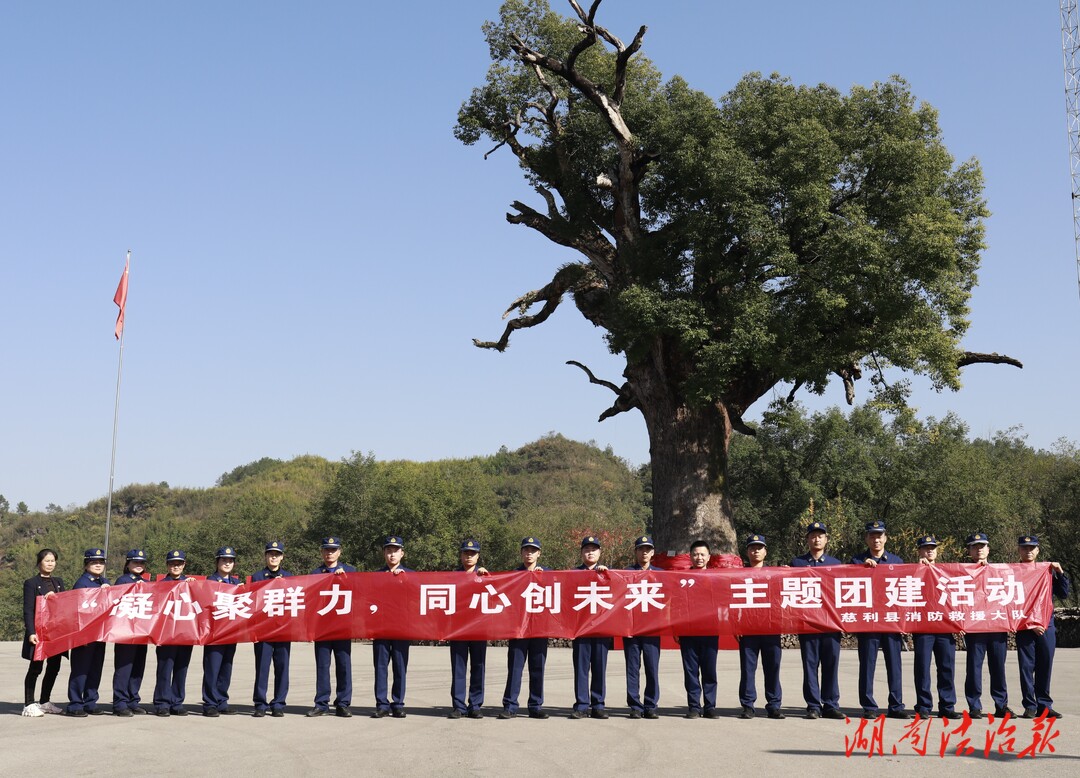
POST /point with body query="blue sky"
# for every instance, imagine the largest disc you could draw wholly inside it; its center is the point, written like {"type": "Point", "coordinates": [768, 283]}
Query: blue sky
{"type": "Point", "coordinates": [313, 252]}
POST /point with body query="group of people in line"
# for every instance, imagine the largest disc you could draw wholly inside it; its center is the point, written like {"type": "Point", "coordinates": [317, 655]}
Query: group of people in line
{"type": "Point", "coordinates": [820, 652]}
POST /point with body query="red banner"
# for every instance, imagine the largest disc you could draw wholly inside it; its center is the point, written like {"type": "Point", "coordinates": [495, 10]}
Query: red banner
{"type": "Point", "coordinates": [560, 604]}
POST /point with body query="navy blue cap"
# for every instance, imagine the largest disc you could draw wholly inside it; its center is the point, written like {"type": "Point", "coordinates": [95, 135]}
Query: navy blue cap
{"type": "Point", "coordinates": [276, 546]}
{"type": "Point", "coordinates": [817, 526]}
{"type": "Point", "coordinates": [175, 556]}
{"type": "Point", "coordinates": [875, 526]}
{"type": "Point", "coordinates": [644, 540]}
{"type": "Point", "coordinates": [976, 538]}
{"type": "Point", "coordinates": [225, 552]}
{"type": "Point", "coordinates": [755, 540]}
{"type": "Point", "coordinates": [331, 543]}
{"type": "Point", "coordinates": [92, 554]}
{"type": "Point", "coordinates": [531, 543]}
{"type": "Point", "coordinates": [1028, 540]}
{"type": "Point", "coordinates": [469, 544]}
{"type": "Point", "coordinates": [590, 540]}
{"type": "Point", "coordinates": [926, 541]}
{"type": "Point", "coordinates": [135, 555]}
{"type": "Point", "coordinates": [393, 540]}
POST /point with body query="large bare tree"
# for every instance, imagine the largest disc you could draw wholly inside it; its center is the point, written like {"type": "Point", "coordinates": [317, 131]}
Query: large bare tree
{"type": "Point", "coordinates": [783, 234]}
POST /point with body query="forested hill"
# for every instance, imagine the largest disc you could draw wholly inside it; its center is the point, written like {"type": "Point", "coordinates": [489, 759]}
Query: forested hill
{"type": "Point", "coordinates": [918, 476]}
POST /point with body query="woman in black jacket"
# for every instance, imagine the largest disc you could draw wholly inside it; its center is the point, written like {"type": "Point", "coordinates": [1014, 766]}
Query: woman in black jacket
{"type": "Point", "coordinates": [44, 584]}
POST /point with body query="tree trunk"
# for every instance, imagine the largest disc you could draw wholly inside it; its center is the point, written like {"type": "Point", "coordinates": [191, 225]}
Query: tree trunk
{"type": "Point", "coordinates": [688, 446]}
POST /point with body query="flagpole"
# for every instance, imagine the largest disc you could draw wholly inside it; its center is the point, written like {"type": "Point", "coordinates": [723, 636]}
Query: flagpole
{"type": "Point", "coordinates": [122, 302]}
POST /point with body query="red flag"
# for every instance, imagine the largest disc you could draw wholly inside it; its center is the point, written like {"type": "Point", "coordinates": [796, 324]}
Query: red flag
{"type": "Point", "coordinates": [120, 298]}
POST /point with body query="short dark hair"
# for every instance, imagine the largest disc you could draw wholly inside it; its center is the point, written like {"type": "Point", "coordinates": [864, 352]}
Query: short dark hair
{"type": "Point", "coordinates": [44, 553]}
{"type": "Point", "coordinates": [698, 543]}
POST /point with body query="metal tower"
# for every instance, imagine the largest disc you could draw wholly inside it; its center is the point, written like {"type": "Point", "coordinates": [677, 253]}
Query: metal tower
{"type": "Point", "coordinates": [1070, 44]}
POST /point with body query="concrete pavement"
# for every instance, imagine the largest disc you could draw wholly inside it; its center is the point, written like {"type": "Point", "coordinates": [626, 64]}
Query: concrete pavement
{"type": "Point", "coordinates": [427, 743]}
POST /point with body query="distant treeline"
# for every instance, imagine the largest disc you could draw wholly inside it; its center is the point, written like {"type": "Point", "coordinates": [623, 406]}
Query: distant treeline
{"type": "Point", "coordinates": [918, 476]}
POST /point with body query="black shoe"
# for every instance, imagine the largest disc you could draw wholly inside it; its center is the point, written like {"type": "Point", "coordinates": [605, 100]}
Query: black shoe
{"type": "Point", "coordinates": [635, 714]}
{"type": "Point", "coordinates": [923, 713]}
{"type": "Point", "coordinates": [80, 713]}
{"type": "Point", "coordinates": [870, 714]}
{"type": "Point", "coordinates": [1002, 712]}
{"type": "Point", "coordinates": [833, 713]}
{"type": "Point", "coordinates": [138, 711]}
{"type": "Point", "coordinates": [693, 714]}
{"type": "Point", "coordinates": [599, 713]}
{"type": "Point", "coordinates": [124, 712]}
{"type": "Point", "coordinates": [951, 715]}
{"type": "Point", "coordinates": [316, 712]}
{"type": "Point", "coordinates": [975, 714]}
{"type": "Point", "coordinates": [777, 714]}
{"type": "Point", "coordinates": [211, 713]}
{"type": "Point", "coordinates": [1030, 713]}
{"type": "Point", "coordinates": [1051, 713]}
{"type": "Point", "coordinates": [380, 713]}
{"type": "Point", "coordinates": [651, 714]}
{"type": "Point", "coordinates": [397, 713]}
{"type": "Point", "coordinates": [343, 712]}
{"type": "Point", "coordinates": [454, 714]}
{"type": "Point", "coordinates": [710, 713]}
{"type": "Point", "coordinates": [259, 713]}
{"type": "Point", "coordinates": [575, 714]}
{"type": "Point", "coordinates": [747, 712]}
{"type": "Point", "coordinates": [475, 713]}
{"type": "Point", "coordinates": [278, 713]}
{"type": "Point", "coordinates": [95, 712]}
{"type": "Point", "coordinates": [507, 714]}
{"type": "Point", "coordinates": [163, 712]}
{"type": "Point", "coordinates": [179, 712]}
{"type": "Point", "coordinates": [813, 713]}
{"type": "Point", "coordinates": [538, 714]}
{"type": "Point", "coordinates": [227, 711]}
{"type": "Point", "coordinates": [903, 715]}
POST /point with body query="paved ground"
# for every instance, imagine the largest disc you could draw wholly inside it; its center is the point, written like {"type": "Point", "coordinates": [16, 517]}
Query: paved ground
{"type": "Point", "coordinates": [427, 743]}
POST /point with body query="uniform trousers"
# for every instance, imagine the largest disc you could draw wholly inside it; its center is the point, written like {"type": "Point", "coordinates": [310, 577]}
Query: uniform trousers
{"type": "Point", "coordinates": [642, 652]}
{"type": "Point", "coordinates": [86, 664]}
{"type": "Point", "coordinates": [217, 676]}
{"type": "Point", "coordinates": [1035, 654]}
{"type": "Point", "coordinates": [387, 654]}
{"type": "Point", "coordinates": [590, 657]}
{"type": "Point", "coordinates": [699, 670]}
{"type": "Point", "coordinates": [268, 653]}
{"type": "Point", "coordinates": [129, 666]}
{"type": "Point", "coordinates": [532, 651]}
{"type": "Point", "coordinates": [463, 654]}
{"type": "Point", "coordinates": [341, 652]}
{"type": "Point", "coordinates": [992, 646]}
{"type": "Point", "coordinates": [768, 648]}
{"type": "Point", "coordinates": [942, 648]}
{"type": "Point", "coordinates": [821, 652]}
{"type": "Point", "coordinates": [172, 669]}
{"type": "Point", "coordinates": [889, 644]}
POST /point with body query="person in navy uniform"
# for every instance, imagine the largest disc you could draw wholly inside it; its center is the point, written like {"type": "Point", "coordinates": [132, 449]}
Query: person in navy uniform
{"type": "Point", "coordinates": [526, 650]}
{"type": "Point", "coordinates": [1035, 647]}
{"type": "Point", "coordinates": [129, 659]}
{"type": "Point", "coordinates": [172, 661]}
{"type": "Point", "coordinates": [391, 653]}
{"type": "Point", "coordinates": [820, 652]}
{"type": "Point", "coordinates": [642, 650]}
{"type": "Point", "coordinates": [699, 654]}
{"type": "Point", "coordinates": [939, 646]}
{"type": "Point", "coordinates": [590, 653]}
{"type": "Point", "coordinates": [271, 652]}
{"type": "Point", "coordinates": [339, 650]}
{"type": "Point", "coordinates": [991, 645]}
{"type": "Point", "coordinates": [87, 661]}
{"type": "Point", "coordinates": [44, 584]}
{"type": "Point", "coordinates": [766, 646]}
{"type": "Point", "coordinates": [218, 659]}
{"type": "Point", "coordinates": [890, 643]}
{"type": "Point", "coordinates": [466, 652]}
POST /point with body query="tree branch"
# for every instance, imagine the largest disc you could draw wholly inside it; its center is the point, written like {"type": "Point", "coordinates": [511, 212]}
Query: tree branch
{"type": "Point", "coordinates": [973, 358]}
{"type": "Point", "coordinates": [565, 280]}
{"type": "Point", "coordinates": [624, 402]}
